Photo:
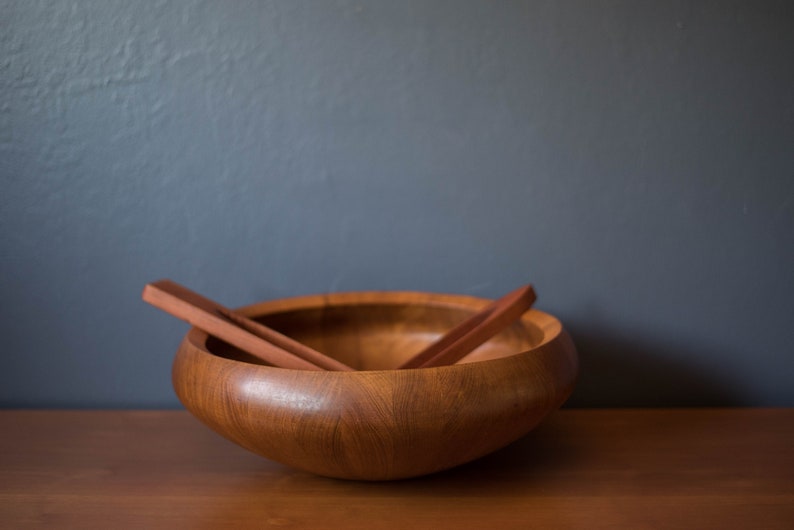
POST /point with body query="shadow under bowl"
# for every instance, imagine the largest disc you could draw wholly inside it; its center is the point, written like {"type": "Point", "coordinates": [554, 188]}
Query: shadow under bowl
{"type": "Point", "coordinates": [377, 423]}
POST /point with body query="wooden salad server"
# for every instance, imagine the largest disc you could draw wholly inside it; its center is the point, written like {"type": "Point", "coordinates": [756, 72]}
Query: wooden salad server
{"type": "Point", "coordinates": [246, 334]}
{"type": "Point", "coordinates": [475, 330]}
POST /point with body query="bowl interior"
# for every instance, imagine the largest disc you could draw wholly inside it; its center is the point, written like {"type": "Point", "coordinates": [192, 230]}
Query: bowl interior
{"type": "Point", "coordinates": [382, 335]}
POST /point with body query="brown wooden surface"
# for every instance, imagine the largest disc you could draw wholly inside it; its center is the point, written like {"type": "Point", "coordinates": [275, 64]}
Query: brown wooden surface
{"type": "Point", "coordinates": [697, 468]}
{"type": "Point", "coordinates": [464, 338]}
{"type": "Point", "coordinates": [252, 337]}
{"type": "Point", "coordinates": [378, 424]}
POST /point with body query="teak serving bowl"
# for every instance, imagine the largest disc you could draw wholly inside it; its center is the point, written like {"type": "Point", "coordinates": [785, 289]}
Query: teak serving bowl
{"type": "Point", "coordinates": [377, 423]}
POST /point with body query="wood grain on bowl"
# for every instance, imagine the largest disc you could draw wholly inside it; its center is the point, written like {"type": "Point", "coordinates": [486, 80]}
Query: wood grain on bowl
{"type": "Point", "coordinates": [377, 423]}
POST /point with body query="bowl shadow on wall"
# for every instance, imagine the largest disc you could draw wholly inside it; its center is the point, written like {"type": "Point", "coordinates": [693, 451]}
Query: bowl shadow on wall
{"type": "Point", "coordinates": [620, 371]}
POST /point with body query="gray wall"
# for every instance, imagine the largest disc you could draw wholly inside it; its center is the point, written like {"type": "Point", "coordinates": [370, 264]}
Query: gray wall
{"type": "Point", "coordinates": [634, 160]}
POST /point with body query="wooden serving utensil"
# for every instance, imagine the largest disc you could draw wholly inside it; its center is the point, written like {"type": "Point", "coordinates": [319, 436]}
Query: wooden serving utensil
{"type": "Point", "coordinates": [475, 330]}
{"type": "Point", "coordinates": [248, 335]}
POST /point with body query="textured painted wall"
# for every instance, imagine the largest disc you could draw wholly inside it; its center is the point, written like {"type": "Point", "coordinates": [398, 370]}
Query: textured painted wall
{"type": "Point", "coordinates": [632, 159]}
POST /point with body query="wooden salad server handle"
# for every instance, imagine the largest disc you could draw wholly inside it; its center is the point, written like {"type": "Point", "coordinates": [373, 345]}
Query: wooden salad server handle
{"type": "Point", "coordinates": [248, 335]}
{"type": "Point", "coordinates": [475, 330]}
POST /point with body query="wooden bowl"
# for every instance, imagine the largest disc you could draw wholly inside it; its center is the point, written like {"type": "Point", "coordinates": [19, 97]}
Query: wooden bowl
{"type": "Point", "coordinates": [377, 423]}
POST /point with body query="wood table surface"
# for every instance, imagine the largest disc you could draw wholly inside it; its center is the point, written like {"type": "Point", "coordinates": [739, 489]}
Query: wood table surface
{"type": "Point", "coordinates": [627, 468]}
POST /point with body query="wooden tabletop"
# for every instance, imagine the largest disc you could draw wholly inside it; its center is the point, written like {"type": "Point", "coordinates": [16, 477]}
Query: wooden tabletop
{"type": "Point", "coordinates": [634, 468]}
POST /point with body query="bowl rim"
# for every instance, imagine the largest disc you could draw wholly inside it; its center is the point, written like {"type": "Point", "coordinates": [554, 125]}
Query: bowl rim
{"type": "Point", "coordinates": [550, 327]}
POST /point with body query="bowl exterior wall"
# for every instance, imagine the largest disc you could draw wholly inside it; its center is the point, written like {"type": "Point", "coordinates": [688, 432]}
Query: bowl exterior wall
{"type": "Point", "coordinates": [375, 425]}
